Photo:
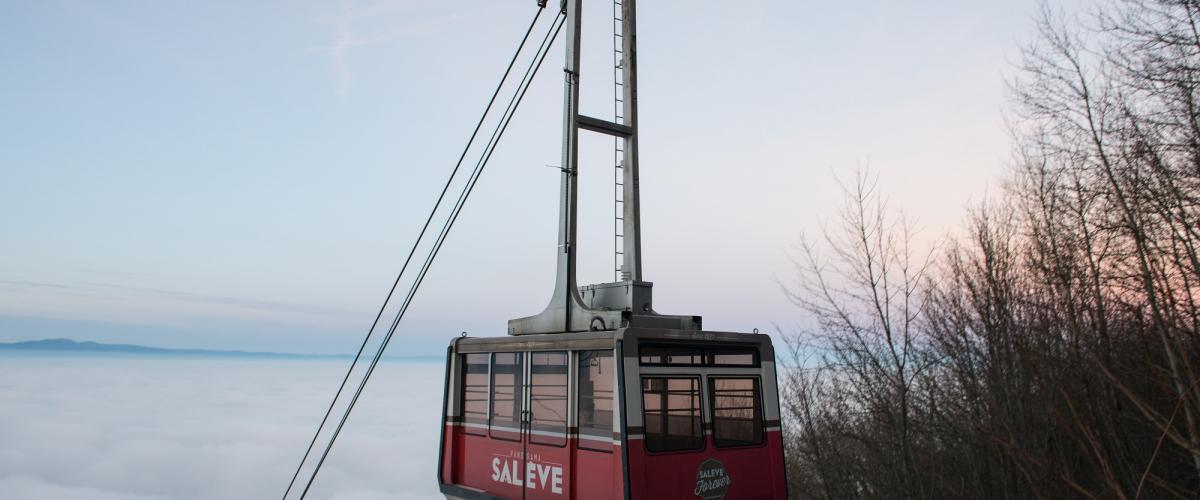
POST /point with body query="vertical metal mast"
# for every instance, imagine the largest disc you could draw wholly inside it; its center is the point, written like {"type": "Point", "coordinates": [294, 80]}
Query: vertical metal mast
{"type": "Point", "coordinates": [627, 245]}
{"type": "Point", "coordinates": [627, 301]}
{"type": "Point", "coordinates": [565, 287]}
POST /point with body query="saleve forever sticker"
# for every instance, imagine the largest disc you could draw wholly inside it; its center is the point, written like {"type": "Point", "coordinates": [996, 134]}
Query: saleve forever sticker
{"type": "Point", "coordinates": [712, 482]}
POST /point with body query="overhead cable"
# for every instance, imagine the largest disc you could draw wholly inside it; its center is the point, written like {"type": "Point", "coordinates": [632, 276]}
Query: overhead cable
{"type": "Point", "coordinates": [464, 194]}
{"type": "Point", "coordinates": [420, 237]}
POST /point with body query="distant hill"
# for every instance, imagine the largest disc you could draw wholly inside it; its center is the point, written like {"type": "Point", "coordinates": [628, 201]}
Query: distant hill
{"type": "Point", "coordinates": [87, 346]}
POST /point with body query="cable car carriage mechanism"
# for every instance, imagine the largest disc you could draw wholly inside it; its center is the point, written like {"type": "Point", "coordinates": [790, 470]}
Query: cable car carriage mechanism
{"type": "Point", "coordinates": [599, 396]}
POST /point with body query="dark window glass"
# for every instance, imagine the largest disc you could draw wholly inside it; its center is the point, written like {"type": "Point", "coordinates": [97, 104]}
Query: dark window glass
{"type": "Point", "coordinates": [737, 420]}
{"type": "Point", "coordinates": [507, 372]}
{"type": "Point", "coordinates": [596, 398]}
{"type": "Point", "coordinates": [671, 413]}
{"type": "Point", "coordinates": [667, 355]}
{"type": "Point", "coordinates": [732, 356]}
{"type": "Point", "coordinates": [672, 355]}
{"type": "Point", "coordinates": [475, 391]}
{"type": "Point", "coordinates": [548, 397]}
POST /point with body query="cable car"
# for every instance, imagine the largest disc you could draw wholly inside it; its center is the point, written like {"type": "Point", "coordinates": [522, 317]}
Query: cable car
{"type": "Point", "coordinates": [630, 413]}
{"type": "Point", "coordinates": [599, 396]}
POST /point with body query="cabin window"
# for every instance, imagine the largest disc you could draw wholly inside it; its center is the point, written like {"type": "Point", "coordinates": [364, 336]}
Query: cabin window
{"type": "Point", "coordinates": [596, 399]}
{"type": "Point", "coordinates": [665, 355]}
{"type": "Point", "coordinates": [548, 397]}
{"type": "Point", "coordinates": [507, 374]}
{"type": "Point", "coordinates": [732, 356]}
{"type": "Point", "coordinates": [671, 413]}
{"type": "Point", "coordinates": [474, 395]}
{"type": "Point", "coordinates": [679, 355]}
{"type": "Point", "coordinates": [737, 417]}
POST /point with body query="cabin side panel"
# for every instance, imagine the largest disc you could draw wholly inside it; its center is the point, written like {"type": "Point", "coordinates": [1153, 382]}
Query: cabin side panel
{"type": "Point", "coordinates": [496, 441]}
{"type": "Point", "coordinates": [694, 463]}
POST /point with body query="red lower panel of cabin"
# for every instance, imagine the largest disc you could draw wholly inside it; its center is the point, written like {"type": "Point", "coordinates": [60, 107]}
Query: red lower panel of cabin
{"type": "Point", "coordinates": [736, 473]}
{"type": "Point", "coordinates": [503, 465]}
{"type": "Point", "coordinates": [494, 465]}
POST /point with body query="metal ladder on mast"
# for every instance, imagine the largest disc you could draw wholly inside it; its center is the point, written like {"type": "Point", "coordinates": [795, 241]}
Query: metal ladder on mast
{"type": "Point", "coordinates": [619, 271]}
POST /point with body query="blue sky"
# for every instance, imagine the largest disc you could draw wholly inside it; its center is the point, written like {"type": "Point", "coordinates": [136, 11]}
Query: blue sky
{"type": "Point", "coordinates": [249, 175]}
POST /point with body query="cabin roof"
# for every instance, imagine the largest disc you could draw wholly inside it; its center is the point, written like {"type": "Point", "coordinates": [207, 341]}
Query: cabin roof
{"type": "Point", "coordinates": [607, 340]}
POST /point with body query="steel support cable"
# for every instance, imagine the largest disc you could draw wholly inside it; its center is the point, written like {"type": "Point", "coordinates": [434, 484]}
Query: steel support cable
{"type": "Point", "coordinates": [420, 237]}
{"type": "Point", "coordinates": [463, 196]}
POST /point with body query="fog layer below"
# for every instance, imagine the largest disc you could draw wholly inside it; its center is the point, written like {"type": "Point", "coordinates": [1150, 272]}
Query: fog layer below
{"type": "Point", "coordinates": [129, 427]}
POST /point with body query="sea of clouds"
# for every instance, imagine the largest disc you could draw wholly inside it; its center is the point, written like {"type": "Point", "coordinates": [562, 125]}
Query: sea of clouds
{"type": "Point", "coordinates": [94, 427]}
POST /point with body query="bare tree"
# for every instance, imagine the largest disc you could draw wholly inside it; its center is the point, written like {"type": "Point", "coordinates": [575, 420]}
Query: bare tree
{"type": "Point", "coordinates": [866, 300]}
{"type": "Point", "coordinates": [1052, 348]}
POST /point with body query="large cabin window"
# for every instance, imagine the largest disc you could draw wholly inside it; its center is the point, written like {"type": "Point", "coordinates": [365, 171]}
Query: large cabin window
{"type": "Point", "coordinates": [474, 395]}
{"type": "Point", "coordinates": [548, 397]}
{"type": "Point", "coordinates": [596, 399]}
{"type": "Point", "coordinates": [507, 378]}
{"type": "Point", "coordinates": [671, 413]}
{"type": "Point", "coordinates": [737, 417]}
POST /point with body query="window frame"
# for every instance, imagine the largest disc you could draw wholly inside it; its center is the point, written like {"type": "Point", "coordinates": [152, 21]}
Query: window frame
{"type": "Point", "coordinates": [487, 395]}
{"type": "Point", "coordinates": [559, 439]}
{"type": "Point", "coordinates": [579, 439]}
{"type": "Point", "coordinates": [760, 409]}
{"type": "Point", "coordinates": [699, 378]}
{"type": "Point", "coordinates": [518, 397]}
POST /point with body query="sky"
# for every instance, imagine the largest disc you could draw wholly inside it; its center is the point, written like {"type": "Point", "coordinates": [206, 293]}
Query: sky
{"type": "Point", "coordinates": [237, 175]}
{"type": "Point", "coordinates": [104, 427]}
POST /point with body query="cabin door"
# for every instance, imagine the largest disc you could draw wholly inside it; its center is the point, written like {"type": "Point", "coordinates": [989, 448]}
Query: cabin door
{"type": "Point", "coordinates": [546, 456]}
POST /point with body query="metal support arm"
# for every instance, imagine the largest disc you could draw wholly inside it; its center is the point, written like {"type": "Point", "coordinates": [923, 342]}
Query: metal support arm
{"type": "Point", "coordinates": [605, 306]}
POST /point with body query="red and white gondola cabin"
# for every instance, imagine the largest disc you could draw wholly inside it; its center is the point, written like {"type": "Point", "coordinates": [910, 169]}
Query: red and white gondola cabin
{"type": "Point", "coordinates": [631, 413]}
